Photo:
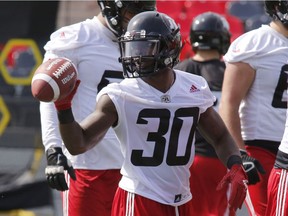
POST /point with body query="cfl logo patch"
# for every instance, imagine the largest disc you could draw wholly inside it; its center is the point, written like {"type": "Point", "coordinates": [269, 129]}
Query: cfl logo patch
{"type": "Point", "coordinates": [178, 198]}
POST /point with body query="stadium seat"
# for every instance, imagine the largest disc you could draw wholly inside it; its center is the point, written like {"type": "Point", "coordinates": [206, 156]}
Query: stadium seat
{"type": "Point", "coordinates": [186, 51]}
{"type": "Point", "coordinates": [184, 20]}
{"type": "Point", "coordinates": [198, 7]}
{"type": "Point", "coordinates": [236, 26]}
{"type": "Point", "coordinates": [244, 9]}
{"type": "Point", "coordinates": [256, 22]}
{"type": "Point", "coordinates": [171, 8]}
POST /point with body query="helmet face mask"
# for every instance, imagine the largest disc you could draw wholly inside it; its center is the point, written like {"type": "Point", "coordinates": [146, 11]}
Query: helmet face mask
{"type": "Point", "coordinates": [152, 42]}
{"type": "Point", "coordinates": [210, 31]}
{"type": "Point", "coordinates": [114, 12]}
{"type": "Point", "coordinates": [138, 54]}
{"type": "Point", "coordinates": [278, 10]}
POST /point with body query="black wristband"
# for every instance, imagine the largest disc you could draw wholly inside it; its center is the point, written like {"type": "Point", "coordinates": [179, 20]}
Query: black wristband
{"type": "Point", "coordinates": [65, 116]}
{"type": "Point", "coordinates": [233, 159]}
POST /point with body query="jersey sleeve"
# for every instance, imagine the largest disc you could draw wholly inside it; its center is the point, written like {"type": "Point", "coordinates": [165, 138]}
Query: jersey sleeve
{"type": "Point", "coordinates": [63, 43]}
{"type": "Point", "coordinates": [65, 40]}
{"type": "Point", "coordinates": [208, 96]}
{"type": "Point", "coordinates": [244, 48]}
{"type": "Point", "coordinates": [53, 50]}
{"type": "Point", "coordinates": [112, 90]}
{"type": "Point", "coordinates": [49, 125]}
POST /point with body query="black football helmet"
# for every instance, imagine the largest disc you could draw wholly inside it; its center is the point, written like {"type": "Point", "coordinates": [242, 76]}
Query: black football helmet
{"type": "Point", "coordinates": [278, 9]}
{"type": "Point", "coordinates": [152, 42]}
{"type": "Point", "coordinates": [208, 31]}
{"type": "Point", "coordinates": [111, 11]}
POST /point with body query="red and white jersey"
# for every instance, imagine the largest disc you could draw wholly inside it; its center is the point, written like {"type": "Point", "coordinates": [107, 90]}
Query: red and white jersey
{"type": "Point", "coordinates": [157, 138]}
{"type": "Point", "coordinates": [263, 110]}
{"type": "Point", "coordinates": [94, 50]}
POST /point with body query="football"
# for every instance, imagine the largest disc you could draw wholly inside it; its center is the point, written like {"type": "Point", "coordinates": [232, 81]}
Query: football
{"type": "Point", "coordinates": [54, 80]}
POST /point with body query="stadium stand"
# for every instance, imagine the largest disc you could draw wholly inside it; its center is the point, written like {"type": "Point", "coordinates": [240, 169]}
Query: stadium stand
{"type": "Point", "coordinates": [197, 7]}
{"type": "Point", "coordinates": [244, 9]}
{"type": "Point", "coordinates": [236, 26]}
{"type": "Point", "coordinates": [174, 9]}
{"type": "Point", "coordinates": [236, 12]}
{"type": "Point", "coordinates": [256, 21]}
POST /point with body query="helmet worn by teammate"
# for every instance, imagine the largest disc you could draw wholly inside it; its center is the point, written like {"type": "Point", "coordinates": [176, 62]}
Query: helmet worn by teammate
{"type": "Point", "coordinates": [114, 11]}
{"type": "Point", "coordinates": [209, 31]}
{"type": "Point", "coordinates": [152, 42]}
{"type": "Point", "coordinates": [278, 10]}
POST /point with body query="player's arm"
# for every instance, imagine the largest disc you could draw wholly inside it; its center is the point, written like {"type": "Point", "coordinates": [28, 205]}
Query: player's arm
{"type": "Point", "coordinates": [80, 137]}
{"type": "Point", "coordinates": [57, 162]}
{"type": "Point", "coordinates": [212, 127]}
{"type": "Point", "coordinates": [238, 78]}
{"type": "Point", "coordinates": [214, 130]}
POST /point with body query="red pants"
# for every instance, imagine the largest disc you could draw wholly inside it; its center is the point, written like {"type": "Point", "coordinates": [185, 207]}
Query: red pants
{"type": "Point", "coordinates": [129, 204]}
{"type": "Point", "coordinates": [258, 192]}
{"type": "Point", "coordinates": [206, 173]}
{"type": "Point", "coordinates": [92, 193]}
{"type": "Point", "coordinates": [277, 193]}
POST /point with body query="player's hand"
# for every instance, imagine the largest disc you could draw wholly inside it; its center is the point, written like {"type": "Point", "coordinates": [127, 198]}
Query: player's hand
{"type": "Point", "coordinates": [65, 103]}
{"type": "Point", "coordinates": [237, 177]}
{"type": "Point", "coordinates": [252, 168]}
{"type": "Point", "coordinates": [56, 164]}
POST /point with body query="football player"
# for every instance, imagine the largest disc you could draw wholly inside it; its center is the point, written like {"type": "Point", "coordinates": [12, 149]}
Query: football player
{"type": "Point", "coordinates": [92, 46]}
{"type": "Point", "coordinates": [253, 104]}
{"type": "Point", "coordinates": [210, 39]}
{"type": "Point", "coordinates": [155, 112]}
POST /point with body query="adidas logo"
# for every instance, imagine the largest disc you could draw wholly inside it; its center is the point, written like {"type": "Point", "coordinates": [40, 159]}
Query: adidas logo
{"type": "Point", "coordinates": [193, 88]}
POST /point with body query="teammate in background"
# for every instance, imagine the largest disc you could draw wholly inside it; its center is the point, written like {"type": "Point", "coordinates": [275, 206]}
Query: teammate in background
{"type": "Point", "coordinates": [92, 46]}
{"type": "Point", "coordinates": [210, 39]}
{"type": "Point", "coordinates": [277, 184]}
{"type": "Point", "coordinates": [154, 113]}
{"type": "Point", "coordinates": [253, 105]}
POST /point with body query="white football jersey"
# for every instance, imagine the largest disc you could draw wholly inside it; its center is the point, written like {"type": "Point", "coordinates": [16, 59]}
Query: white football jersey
{"type": "Point", "coordinates": [263, 110]}
{"type": "Point", "coordinates": [156, 132]}
{"type": "Point", "coordinates": [95, 52]}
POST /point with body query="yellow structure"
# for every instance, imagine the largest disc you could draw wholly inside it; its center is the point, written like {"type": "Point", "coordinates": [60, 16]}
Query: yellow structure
{"type": "Point", "coordinates": [14, 45]}
{"type": "Point", "coordinates": [5, 116]}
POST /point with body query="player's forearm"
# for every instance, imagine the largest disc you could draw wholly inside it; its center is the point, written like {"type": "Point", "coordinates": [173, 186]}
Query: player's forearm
{"type": "Point", "coordinates": [225, 148]}
{"type": "Point", "coordinates": [49, 126]}
{"type": "Point", "coordinates": [71, 132]}
{"type": "Point", "coordinates": [232, 122]}
{"type": "Point", "coordinates": [79, 138]}
{"type": "Point", "coordinates": [215, 132]}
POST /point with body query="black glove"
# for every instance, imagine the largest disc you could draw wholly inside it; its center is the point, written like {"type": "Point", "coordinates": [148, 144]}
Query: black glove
{"type": "Point", "coordinates": [252, 166]}
{"type": "Point", "coordinates": [56, 164]}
